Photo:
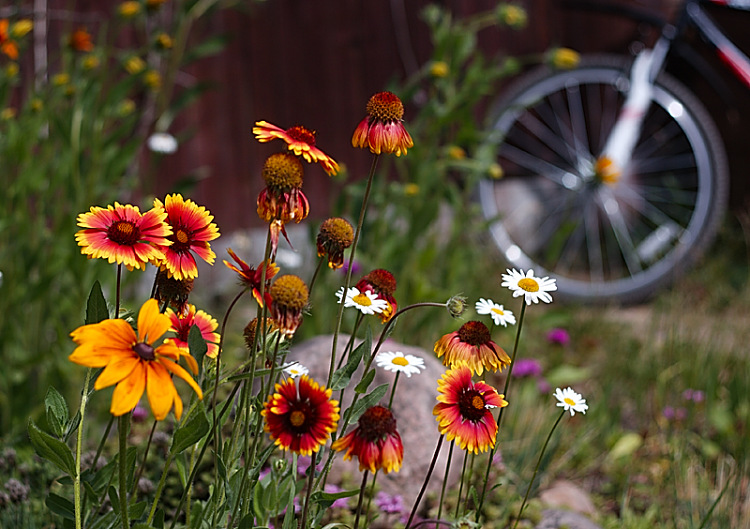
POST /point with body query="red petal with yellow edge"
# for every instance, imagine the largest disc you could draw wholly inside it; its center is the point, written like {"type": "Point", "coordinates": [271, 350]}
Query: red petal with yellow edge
{"type": "Point", "coordinates": [152, 324]}
{"type": "Point", "coordinates": [160, 390]}
{"type": "Point", "coordinates": [117, 370]}
{"type": "Point", "coordinates": [129, 391]}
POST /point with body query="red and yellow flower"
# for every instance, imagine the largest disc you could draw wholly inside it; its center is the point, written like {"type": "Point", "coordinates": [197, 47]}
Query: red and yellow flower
{"type": "Point", "coordinates": [300, 415]}
{"type": "Point", "coordinates": [181, 325]}
{"type": "Point", "coordinates": [299, 140]}
{"type": "Point", "coordinates": [472, 346]}
{"type": "Point", "coordinates": [383, 284]}
{"type": "Point", "coordinates": [464, 410]}
{"type": "Point", "coordinates": [251, 277]}
{"type": "Point", "coordinates": [132, 362]}
{"type": "Point", "coordinates": [375, 442]}
{"type": "Point", "coordinates": [382, 130]}
{"type": "Point", "coordinates": [192, 230]}
{"type": "Point", "coordinates": [122, 235]}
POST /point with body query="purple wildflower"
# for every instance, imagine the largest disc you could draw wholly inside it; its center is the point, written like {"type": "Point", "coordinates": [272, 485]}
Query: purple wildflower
{"type": "Point", "coordinates": [558, 336]}
{"type": "Point", "coordinates": [527, 367]}
{"type": "Point", "coordinates": [389, 503]}
{"type": "Point", "coordinates": [140, 414]}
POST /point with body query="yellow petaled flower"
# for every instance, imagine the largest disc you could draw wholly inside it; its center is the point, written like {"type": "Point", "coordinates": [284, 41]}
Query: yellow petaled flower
{"type": "Point", "coordinates": [36, 104]}
{"type": "Point", "coordinates": [411, 190]}
{"type": "Point", "coordinates": [335, 236]}
{"type": "Point", "coordinates": [439, 69]}
{"type": "Point", "coordinates": [456, 152]}
{"type": "Point", "coordinates": [164, 41]}
{"type": "Point", "coordinates": [11, 70]}
{"type": "Point", "coordinates": [512, 16]}
{"type": "Point", "coordinates": [7, 45]}
{"type": "Point", "coordinates": [472, 346]}
{"type": "Point", "coordinates": [299, 140]}
{"type": "Point", "coordinates": [152, 78]}
{"type": "Point", "coordinates": [290, 296]}
{"type": "Point", "coordinates": [134, 65]}
{"type": "Point", "coordinates": [132, 362]}
{"type": "Point", "coordinates": [129, 9]}
{"type": "Point", "coordinates": [382, 130]}
{"type": "Point", "coordinates": [375, 442]}
{"type": "Point", "coordinates": [464, 410]}
{"type": "Point", "coordinates": [300, 415]}
{"type": "Point", "coordinates": [90, 62]}
{"type": "Point", "coordinates": [60, 79]}
{"type": "Point", "coordinates": [564, 58]}
{"type": "Point", "coordinates": [21, 28]}
{"type": "Point", "coordinates": [8, 113]}
{"type": "Point", "coordinates": [495, 171]}
{"type": "Point", "coordinates": [192, 230]}
{"type": "Point", "coordinates": [121, 234]}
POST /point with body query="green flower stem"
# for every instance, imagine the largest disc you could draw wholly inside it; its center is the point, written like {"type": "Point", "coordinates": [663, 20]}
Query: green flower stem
{"type": "Point", "coordinates": [308, 493]}
{"type": "Point", "coordinates": [445, 483]}
{"type": "Point", "coordinates": [461, 484]}
{"type": "Point", "coordinates": [362, 487]}
{"type": "Point", "coordinates": [426, 481]}
{"type": "Point", "coordinates": [393, 390]}
{"type": "Point", "coordinates": [160, 487]}
{"type": "Point", "coordinates": [122, 430]}
{"type": "Point", "coordinates": [143, 462]}
{"type": "Point", "coordinates": [536, 469]}
{"type": "Point", "coordinates": [79, 444]}
{"type": "Point", "coordinates": [347, 281]}
{"type": "Point", "coordinates": [315, 275]}
{"type": "Point", "coordinates": [500, 413]}
{"type": "Point", "coordinates": [117, 291]}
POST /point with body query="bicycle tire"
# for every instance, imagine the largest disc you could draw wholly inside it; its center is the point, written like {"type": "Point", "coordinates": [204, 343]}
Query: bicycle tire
{"type": "Point", "coordinates": [620, 242]}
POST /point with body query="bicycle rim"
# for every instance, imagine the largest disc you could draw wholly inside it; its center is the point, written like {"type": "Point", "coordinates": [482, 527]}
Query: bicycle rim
{"type": "Point", "coordinates": [603, 241]}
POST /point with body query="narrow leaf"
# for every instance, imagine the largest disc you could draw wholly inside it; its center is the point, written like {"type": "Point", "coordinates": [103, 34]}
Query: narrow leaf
{"type": "Point", "coordinates": [342, 376]}
{"type": "Point", "coordinates": [366, 402]}
{"type": "Point", "coordinates": [60, 506]}
{"type": "Point", "coordinates": [365, 382]}
{"type": "Point", "coordinates": [192, 431]}
{"type": "Point", "coordinates": [197, 344]}
{"type": "Point", "coordinates": [96, 306]}
{"type": "Point", "coordinates": [57, 411]}
{"type": "Point", "coordinates": [51, 449]}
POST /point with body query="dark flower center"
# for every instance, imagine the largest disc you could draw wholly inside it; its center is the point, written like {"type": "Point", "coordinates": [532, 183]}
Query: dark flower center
{"type": "Point", "coordinates": [300, 133]}
{"type": "Point", "coordinates": [289, 292]}
{"type": "Point", "coordinates": [181, 236]}
{"type": "Point", "coordinates": [382, 281]}
{"type": "Point", "coordinates": [144, 351]}
{"type": "Point", "coordinates": [376, 423]}
{"type": "Point", "coordinates": [283, 171]}
{"type": "Point", "coordinates": [301, 418]}
{"type": "Point", "coordinates": [474, 333]}
{"type": "Point", "coordinates": [336, 231]}
{"type": "Point", "coordinates": [471, 405]}
{"type": "Point", "coordinates": [385, 107]}
{"type": "Point", "coordinates": [123, 232]}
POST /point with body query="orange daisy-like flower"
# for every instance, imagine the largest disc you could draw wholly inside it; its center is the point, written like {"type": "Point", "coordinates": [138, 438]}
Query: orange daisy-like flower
{"type": "Point", "coordinates": [335, 236]}
{"type": "Point", "coordinates": [464, 410]}
{"type": "Point", "coordinates": [383, 284]}
{"type": "Point", "coordinates": [181, 325]}
{"type": "Point", "coordinates": [192, 230]}
{"type": "Point", "coordinates": [7, 45]}
{"type": "Point", "coordinates": [289, 296]}
{"type": "Point", "coordinates": [472, 346]}
{"type": "Point", "coordinates": [123, 235]}
{"type": "Point", "coordinates": [80, 40]}
{"type": "Point", "coordinates": [132, 362]}
{"type": "Point", "coordinates": [382, 130]}
{"type": "Point", "coordinates": [300, 416]}
{"type": "Point", "coordinates": [251, 277]}
{"type": "Point", "coordinates": [375, 442]}
{"type": "Point", "coordinates": [300, 140]}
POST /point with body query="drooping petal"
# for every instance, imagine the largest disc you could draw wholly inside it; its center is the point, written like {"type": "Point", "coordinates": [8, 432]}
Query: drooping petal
{"type": "Point", "coordinates": [128, 392]}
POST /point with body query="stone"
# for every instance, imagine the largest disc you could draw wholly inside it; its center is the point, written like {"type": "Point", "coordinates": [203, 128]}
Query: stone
{"type": "Point", "coordinates": [560, 519]}
{"type": "Point", "coordinates": [567, 495]}
{"type": "Point", "coordinates": [412, 406]}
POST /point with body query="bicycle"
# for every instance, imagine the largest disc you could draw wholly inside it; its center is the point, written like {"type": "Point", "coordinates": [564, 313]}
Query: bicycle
{"type": "Point", "coordinates": [615, 175]}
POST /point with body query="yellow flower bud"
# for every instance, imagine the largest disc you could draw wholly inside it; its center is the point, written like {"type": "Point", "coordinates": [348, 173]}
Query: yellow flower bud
{"type": "Point", "coordinates": [11, 70]}
{"type": "Point", "coordinates": [36, 104]}
{"type": "Point", "coordinates": [164, 41]}
{"type": "Point", "coordinates": [126, 107]}
{"type": "Point", "coordinates": [60, 79]}
{"type": "Point", "coordinates": [456, 152]}
{"type": "Point", "coordinates": [21, 28]}
{"type": "Point", "coordinates": [8, 113]}
{"type": "Point", "coordinates": [134, 65]}
{"type": "Point", "coordinates": [152, 78]}
{"type": "Point", "coordinates": [512, 16]}
{"type": "Point", "coordinates": [564, 58]}
{"type": "Point", "coordinates": [439, 69]}
{"type": "Point", "coordinates": [495, 171]}
{"type": "Point", "coordinates": [411, 189]}
{"type": "Point", "coordinates": [90, 62]}
{"type": "Point", "coordinates": [129, 9]}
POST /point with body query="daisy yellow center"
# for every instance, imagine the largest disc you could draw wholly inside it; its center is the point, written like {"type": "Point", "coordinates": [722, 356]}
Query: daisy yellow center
{"type": "Point", "coordinates": [144, 351]}
{"type": "Point", "coordinates": [181, 236]}
{"type": "Point", "coordinates": [400, 361]}
{"type": "Point", "coordinates": [300, 133]}
{"type": "Point", "coordinates": [362, 299]}
{"type": "Point", "coordinates": [123, 232]}
{"type": "Point", "coordinates": [569, 401]}
{"type": "Point", "coordinates": [497, 311]}
{"type": "Point", "coordinates": [529, 284]}
{"type": "Point", "coordinates": [297, 418]}
{"type": "Point", "coordinates": [474, 333]}
{"type": "Point", "coordinates": [283, 171]}
{"type": "Point", "coordinates": [385, 107]}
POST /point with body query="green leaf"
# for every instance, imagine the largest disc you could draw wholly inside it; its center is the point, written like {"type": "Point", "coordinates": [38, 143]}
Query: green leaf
{"type": "Point", "coordinates": [365, 382]}
{"type": "Point", "coordinates": [192, 431]}
{"type": "Point", "coordinates": [326, 499]}
{"type": "Point", "coordinates": [197, 344]}
{"type": "Point", "coordinates": [96, 306]}
{"type": "Point", "coordinates": [51, 449]}
{"type": "Point", "coordinates": [57, 411]}
{"type": "Point", "coordinates": [60, 506]}
{"type": "Point", "coordinates": [208, 47]}
{"type": "Point", "coordinates": [342, 376]}
{"type": "Point", "coordinates": [366, 402]}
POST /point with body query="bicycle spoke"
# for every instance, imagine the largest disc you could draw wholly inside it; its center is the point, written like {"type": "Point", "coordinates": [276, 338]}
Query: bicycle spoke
{"type": "Point", "coordinates": [593, 242]}
{"type": "Point", "coordinates": [536, 165]}
{"type": "Point", "coordinates": [577, 119]}
{"type": "Point", "coordinates": [619, 227]}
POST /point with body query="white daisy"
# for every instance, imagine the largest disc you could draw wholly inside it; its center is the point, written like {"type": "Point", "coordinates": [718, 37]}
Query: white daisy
{"type": "Point", "coordinates": [367, 302]}
{"type": "Point", "coordinates": [531, 287]}
{"type": "Point", "coordinates": [295, 369]}
{"type": "Point", "coordinates": [500, 315]}
{"type": "Point", "coordinates": [571, 401]}
{"type": "Point", "coordinates": [399, 362]}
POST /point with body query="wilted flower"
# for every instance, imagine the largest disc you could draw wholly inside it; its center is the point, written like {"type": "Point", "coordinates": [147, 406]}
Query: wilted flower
{"type": "Point", "coordinates": [290, 296]}
{"type": "Point", "coordinates": [335, 236]}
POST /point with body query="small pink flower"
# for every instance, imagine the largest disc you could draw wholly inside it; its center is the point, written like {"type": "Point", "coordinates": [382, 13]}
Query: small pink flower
{"type": "Point", "coordinates": [558, 336]}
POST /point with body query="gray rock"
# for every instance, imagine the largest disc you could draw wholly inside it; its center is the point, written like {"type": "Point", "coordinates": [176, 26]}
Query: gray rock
{"type": "Point", "coordinates": [556, 518]}
{"type": "Point", "coordinates": [567, 495]}
{"type": "Point", "coordinates": [412, 406]}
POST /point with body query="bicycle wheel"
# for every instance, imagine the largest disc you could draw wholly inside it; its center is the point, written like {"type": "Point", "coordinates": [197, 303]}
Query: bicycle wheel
{"type": "Point", "coordinates": [604, 239]}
